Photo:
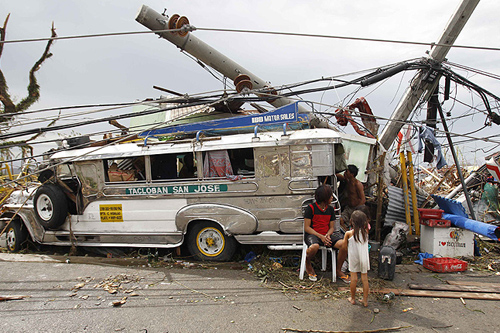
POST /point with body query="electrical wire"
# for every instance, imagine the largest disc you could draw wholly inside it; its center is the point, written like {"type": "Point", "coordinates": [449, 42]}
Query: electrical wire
{"type": "Point", "coordinates": [261, 32]}
{"type": "Point", "coordinates": [204, 98]}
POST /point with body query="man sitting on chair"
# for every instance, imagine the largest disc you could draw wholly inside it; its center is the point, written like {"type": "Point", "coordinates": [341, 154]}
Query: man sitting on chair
{"type": "Point", "coordinates": [319, 222]}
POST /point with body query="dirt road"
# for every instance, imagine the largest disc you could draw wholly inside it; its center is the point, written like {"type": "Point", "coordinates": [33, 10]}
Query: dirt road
{"type": "Point", "coordinates": [78, 297]}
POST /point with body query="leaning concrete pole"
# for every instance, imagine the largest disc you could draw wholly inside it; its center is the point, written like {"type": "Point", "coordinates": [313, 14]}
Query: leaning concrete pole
{"type": "Point", "coordinates": [419, 87]}
{"type": "Point", "coordinates": [189, 43]}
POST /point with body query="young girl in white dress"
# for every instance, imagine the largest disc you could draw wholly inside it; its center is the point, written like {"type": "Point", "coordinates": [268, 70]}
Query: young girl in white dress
{"type": "Point", "coordinates": [357, 249]}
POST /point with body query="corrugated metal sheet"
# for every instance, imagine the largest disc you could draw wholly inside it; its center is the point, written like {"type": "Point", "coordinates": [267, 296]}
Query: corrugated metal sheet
{"type": "Point", "coordinates": [396, 208]}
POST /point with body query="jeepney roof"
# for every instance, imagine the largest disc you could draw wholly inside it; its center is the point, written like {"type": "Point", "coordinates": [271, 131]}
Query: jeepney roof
{"type": "Point", "coordinates": [247, 140]}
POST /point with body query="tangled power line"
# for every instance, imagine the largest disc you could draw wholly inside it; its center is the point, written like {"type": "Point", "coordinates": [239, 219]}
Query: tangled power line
{"type": "Point", "coordinates": [289, 90]}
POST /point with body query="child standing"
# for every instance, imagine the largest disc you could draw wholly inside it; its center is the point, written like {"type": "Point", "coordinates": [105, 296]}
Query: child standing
{"type": "Point", "coordinates": [357, 248]}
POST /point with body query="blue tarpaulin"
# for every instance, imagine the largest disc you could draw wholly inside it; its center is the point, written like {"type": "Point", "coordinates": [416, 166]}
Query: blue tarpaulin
{"type": "Point", "coordinates": [485, 229]}
{"type": "Point", "coordinates": [455, 212]}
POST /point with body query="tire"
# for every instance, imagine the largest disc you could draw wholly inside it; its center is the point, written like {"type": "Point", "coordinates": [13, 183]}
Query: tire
{"type": "Point", "coordinates": [16, 235]}
{"type": "Point", "coordinates": [206, 241]}
{"type": "Point", "coordinates": [51, 206]}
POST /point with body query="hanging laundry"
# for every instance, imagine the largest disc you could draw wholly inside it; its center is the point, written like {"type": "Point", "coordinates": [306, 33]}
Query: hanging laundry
{"type": "Point", "coordinates": [404, 139]}
{"type": "Point", "coordinates": [426, 135]}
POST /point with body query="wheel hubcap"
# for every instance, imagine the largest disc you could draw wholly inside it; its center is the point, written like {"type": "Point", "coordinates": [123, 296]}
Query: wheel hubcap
{"type": "Point", "coordinates": [210, 241]}
{"type": "Point", "coordinates": [44, 207]}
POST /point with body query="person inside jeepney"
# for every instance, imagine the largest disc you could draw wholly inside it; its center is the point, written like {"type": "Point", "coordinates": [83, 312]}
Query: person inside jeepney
{"type": "Point", "coordinates": [355, 195]}
{"type": "Point", "coordinates": [139, 167]}
{"type": "Point", "coordinates": [187, 170]}
{"type": "Point", "coordinates": [319, 230]}
{"type": "Point", "coordinates": [164, 166]}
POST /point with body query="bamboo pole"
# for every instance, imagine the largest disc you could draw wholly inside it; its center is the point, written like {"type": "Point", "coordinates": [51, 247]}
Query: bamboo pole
{"type": "Point", "coordinates": [402, 159]}
{"type": "Point", "coordinates": [416, 218]}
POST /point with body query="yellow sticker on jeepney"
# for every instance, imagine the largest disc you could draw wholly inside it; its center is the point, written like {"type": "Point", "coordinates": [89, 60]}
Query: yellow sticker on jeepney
{"type": "Point", "coordinates": [111, 213]}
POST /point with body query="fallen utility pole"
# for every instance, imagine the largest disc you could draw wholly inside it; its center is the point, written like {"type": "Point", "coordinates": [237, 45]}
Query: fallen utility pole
{"type": "Point", "coordinates": [206, 54]}
{"type": "Point", "coordinates": [420, 85]}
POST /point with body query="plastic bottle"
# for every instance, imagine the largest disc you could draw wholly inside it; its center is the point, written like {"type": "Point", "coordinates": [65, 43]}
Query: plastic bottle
{"type": "Point", "coordinates": [389, 296]}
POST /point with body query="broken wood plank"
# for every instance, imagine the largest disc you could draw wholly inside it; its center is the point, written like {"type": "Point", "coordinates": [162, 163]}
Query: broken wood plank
{"type": "Point", "coordinates": [434, 176]}
{"type": "Point", "coordinates": [11, 298]}
{"type": "Point", "coordinates": [441, 294]}
{"type": "Point", "coordinates": [449, 287]}
{"type": "Point", "coordinates": [433, 191]}
{"type": "Point", "coordinates": [364, 331]}
{"type": "Point", "coordinates": [474, 283]}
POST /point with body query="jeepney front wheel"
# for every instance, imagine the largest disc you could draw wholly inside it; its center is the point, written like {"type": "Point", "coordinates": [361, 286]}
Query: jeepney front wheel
{"type": "Point", "coordinates": [207, 241]}
{"type": "Point", "coordinates": [16, 235]}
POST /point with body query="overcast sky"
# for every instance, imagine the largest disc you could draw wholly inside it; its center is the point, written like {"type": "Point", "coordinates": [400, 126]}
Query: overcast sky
{"type": "Point", "coordinates": [124, 68]}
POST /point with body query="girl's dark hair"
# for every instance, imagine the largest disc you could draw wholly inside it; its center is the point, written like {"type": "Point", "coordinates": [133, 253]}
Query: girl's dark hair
{"type": "Point", "coordinates": [360, 223]}
{"type": "Point", "coordinates": [323, 193]}
{"type": "Point", "coordinates": [367, 212]}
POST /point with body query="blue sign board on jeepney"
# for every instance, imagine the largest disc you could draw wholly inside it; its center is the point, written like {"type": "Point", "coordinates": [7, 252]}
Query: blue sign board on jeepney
{"type": "Point", "coordinates": [269, 120]}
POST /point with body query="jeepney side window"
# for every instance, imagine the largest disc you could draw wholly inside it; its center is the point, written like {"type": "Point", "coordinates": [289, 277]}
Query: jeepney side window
{"type": "Point", "coordinates": [164, 166]}
{"type": "Point", "coordinates": [128, 169]}
{"type": "Point", "coordinates": [63, 171]}
{"type": "Point", "coordinates": [242, 161]}
{"type": "Point", "coordinates": [233, 163]}
{"type": "Point", "coordinates": [187, 165]}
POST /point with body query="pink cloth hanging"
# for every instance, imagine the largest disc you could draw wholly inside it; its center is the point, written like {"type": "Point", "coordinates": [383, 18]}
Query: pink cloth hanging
{"type": "Point", "coordinates": [217, 164]}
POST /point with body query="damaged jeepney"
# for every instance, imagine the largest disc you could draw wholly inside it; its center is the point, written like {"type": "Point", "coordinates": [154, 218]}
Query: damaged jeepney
{"type": "Point", "coordinates": [243, 188]}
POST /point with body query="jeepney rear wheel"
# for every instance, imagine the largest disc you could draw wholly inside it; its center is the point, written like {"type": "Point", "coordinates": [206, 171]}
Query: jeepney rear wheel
{"type": "Point", "coordinates": [207, 241]}
{"type": "Point", "coordinates": [16, 235]}
{"type": "Point", "coordinates": [51, 206]}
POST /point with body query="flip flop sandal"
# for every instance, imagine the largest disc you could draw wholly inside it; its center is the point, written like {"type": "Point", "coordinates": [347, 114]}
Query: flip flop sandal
{"type": "Point", "coordinates": [345, 278]}
{"type": "Point", "coordinates": [313, 277]}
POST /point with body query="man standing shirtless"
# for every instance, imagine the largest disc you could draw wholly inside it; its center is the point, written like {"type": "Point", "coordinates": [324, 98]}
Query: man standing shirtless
{"type": "Point", "coordinates": [355, 195]}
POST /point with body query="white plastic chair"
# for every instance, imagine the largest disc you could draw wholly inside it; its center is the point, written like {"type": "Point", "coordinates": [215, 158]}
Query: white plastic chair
{"type": "Point", "coordinates": [324, 254]}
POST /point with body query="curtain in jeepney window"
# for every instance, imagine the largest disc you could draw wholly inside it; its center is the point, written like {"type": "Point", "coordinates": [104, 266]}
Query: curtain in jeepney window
{"type": "Point", "coordinates": [218, 164]}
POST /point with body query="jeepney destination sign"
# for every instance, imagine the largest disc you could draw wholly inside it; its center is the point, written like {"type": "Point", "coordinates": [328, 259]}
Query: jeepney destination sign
{"type": "Point", "coordinates": [210, 188]}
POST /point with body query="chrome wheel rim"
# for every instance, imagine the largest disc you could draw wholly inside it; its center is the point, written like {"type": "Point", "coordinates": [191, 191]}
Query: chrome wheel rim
{"type": "Point", "coordinates": [210, 241]}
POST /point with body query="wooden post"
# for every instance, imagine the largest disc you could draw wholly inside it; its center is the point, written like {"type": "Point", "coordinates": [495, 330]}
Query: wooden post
{"type": "Point", "coordinates": [380, 191]}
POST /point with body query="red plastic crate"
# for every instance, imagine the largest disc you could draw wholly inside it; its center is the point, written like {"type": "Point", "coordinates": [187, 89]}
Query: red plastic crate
{"type": "Point", "coordinates": [442, 265]}
{"type": "Point", "coordinates": [436, 223]}
{"type": "Point", "coordinates": [427, 213]}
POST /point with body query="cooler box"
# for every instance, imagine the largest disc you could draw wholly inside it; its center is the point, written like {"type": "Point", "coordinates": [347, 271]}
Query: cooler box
{"type": "Point", "coordinates": [447, 242]}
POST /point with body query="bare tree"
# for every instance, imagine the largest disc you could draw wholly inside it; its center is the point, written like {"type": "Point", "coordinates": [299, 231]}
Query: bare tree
{"type": "Point", "coordinates": [11, 109]}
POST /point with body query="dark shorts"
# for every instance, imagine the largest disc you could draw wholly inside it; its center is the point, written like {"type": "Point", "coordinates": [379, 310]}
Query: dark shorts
{"type": "Point", "coordinates": [347, 212]}
{"type": "Point", "coordinates": [313, 239]}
